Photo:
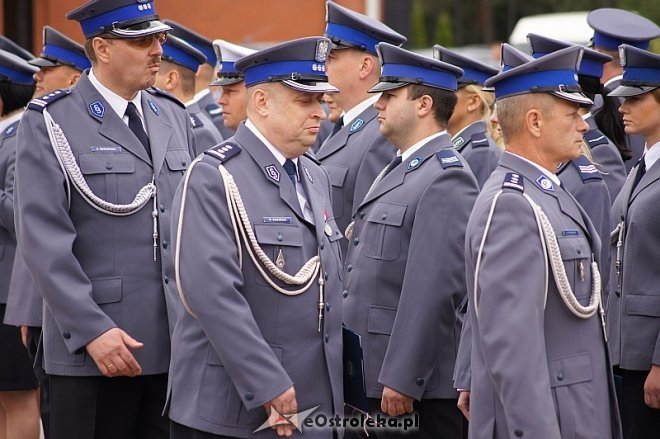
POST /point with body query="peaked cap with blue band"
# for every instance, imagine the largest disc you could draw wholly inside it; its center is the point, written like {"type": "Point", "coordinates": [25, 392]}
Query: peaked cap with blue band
{"type": "Point", "coordinates": [227, 55]}
{"type": "Point", "coordinates": [298, 64]}
{"type": "Point", "coordinates": [10, 46]}
{"type": "Point", "coordinates": [347, 28]}
{"type": "Point", "coordinates": [474, 72]}
{"type": "Point", "coordinates": [60, 50]}
{"type": "Point", "coordinates": [592, 61]}
{"type": "Point", "coordinates": [179, 52]}
{"type": "Point", "coordinates": [401, 67]}
{"type": "Point", "coordinates": [196, 40]}
{"type": "Point", "coordinates": [121, 18]}
{"type": "Point", "coordinates": [512, 57]}
{"type": "Point", "coordinates": [614, 27]}
{"type": "Point", "coordinates": [15, 69]}
{"type": "Point", "coordinates": [641, 71]}
{"type": "Point", "coordinates": [555, 73]}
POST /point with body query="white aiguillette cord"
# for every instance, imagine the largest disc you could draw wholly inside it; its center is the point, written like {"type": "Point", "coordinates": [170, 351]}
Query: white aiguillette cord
{"type": "Point", "coordinates": [72, 174]}
{"type": "Point", "coordinates": [551, 254]}
{"type": "Point", "coordinates": [243, 232]}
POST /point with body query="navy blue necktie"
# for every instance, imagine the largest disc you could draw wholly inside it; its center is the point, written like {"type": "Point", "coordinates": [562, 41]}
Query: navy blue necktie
{"type": "Point", "coordinates": [290, 169]}
{"type": "Point", "coordinates": [338, 126]}
{"type": "Point", "coordinates": [135, 124]}
{"type": "Point", "coordinates": [640, 173]}
{"type": "Point", "coordinates": [393, 164]}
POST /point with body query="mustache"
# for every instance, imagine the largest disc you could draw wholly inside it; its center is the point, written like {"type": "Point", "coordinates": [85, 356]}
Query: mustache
{"type": "Point", "coordinates": [154, 61]}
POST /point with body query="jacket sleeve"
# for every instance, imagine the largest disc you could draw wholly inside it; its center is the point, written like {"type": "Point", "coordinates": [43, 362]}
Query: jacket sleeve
{"type": "Point", "coordinates": [47, 236]}
{"type": "Point", "coordinates": [609, 162]}
{"type": "Point", "coordinates": [433, 286]}
{"type": "Point", "coordinates": [212, 292]}
{"type": "Point", "coordinates": [7, 189]}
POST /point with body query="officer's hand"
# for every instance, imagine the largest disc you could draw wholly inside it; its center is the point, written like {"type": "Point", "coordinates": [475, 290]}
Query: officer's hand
{"type": "Point", "coordinates": [284, 404]}
{"type": "Point", "coordinates": [394, 403]}
{"type": "Point", "coordinates": [464, 404]}
{"type": "Point", "coordinates": [110, 351]}
{"type": "Point", "coordinates": [24, 335]}
{"type": "Point", "coordinates": [652, 388]}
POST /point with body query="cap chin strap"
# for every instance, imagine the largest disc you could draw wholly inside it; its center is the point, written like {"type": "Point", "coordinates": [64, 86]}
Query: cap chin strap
{"type": "Point", "coordinates": [551, 255]}
{"type": "Point", "coordinates": [73, 176]}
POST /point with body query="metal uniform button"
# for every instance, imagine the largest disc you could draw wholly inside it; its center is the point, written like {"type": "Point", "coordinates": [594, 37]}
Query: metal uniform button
{"type": "Point", "coordinates": [66, 335]}
{"type": "Point", "coordinates": [108, 166]}
{"type": "Point", "coordinates": [356, 241]}
{"type": "Point", "coordinates": [383, 216]}
{"type": "Point", "coordinates": [325, 276]}
{"type": "Point", "coordinates": [327, 337]}
{"type": "Point", "coordinates": [183, 163]}
{"type": "Point", "coordinates": [167, 280]}
{"type": "Point", "coordinates": [162, 208]}
{"type": "Point", "coordinates": [518, 432]}
{"type": "Point", "coordinates": [560, 376]}
{"type": "Point", "coordinates": [321, 246]}
{"type": "Point", "coordinates": [249, 396]}
{"type": "Point", "coordinates": [617, 292]}
{"type": "Point", "coordinates": [579, 251]}
{"type": "Point", "coordinates": [344, 293]}
{"type": "Point", "coordinates": [280, 237]}
{"type": "Point", "coordinates": [362, 214]}
{"type": "Point", "coordinates": [349, 268]}
{"type": "Point", "coordinates": [165, 243]}
{"type": "Point", "coordinates": [419, 381]}
{"type": "Point", "coordinates": [327, 307]}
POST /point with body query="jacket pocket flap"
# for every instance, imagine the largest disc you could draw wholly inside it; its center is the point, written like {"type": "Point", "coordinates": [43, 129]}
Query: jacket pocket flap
{"type": "Point", "coordinates": [337, 174]}
{"type": "Point", "coordinates": [381, 320]}
{"type": "Point", "coordinates": [643, 305]}
{"type": "Point", "coordinates": [573, 248]}
{"type": "Point", "coordinates": [387, 213]}
{"type": "Point", "coordinates": [99, 163]}
{"type": "Point", "coordinates": [106, 290]}
{"type": "Point", "coordinates": [278, 234]}
{"type": "Point", "coordinates": [336, 233]}
{"type": "Point", "coordinates": [177, 160]}
{"type": "Point", "coordinates": [570, 370]}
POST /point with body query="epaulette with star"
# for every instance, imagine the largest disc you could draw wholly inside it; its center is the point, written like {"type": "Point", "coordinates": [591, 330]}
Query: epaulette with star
{"type": "Point", "coordinates": [11, 130]}
{"type": "Point", "coordinates": [223, 151]}
{"type": "Point", "coordinates": [40, 103]}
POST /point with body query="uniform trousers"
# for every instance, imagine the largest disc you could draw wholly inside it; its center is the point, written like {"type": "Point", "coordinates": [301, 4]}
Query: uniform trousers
{"type": "Point", "coordinates": [108, 408]}
{"type": "Point", "coordinates": [639, 420]}
{"type": "Point", "coordinates": [33, 340]}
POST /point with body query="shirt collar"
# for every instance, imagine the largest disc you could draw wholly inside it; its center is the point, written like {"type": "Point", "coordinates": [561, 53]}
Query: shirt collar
{"type": "Point", "coordinates": [117, 103]}
{"type": "Point", "coordinates": [651, 155]}
{"type": "Point", "coordinates": [276, 152]}
{"type": "Point", "coordinates": [200, 94]}
{"type": "Point", "coordinates": [545, 172]}
{"type": "Point", "coordinates": [359, 108]}
{"type": "Point", "coordinates": [413, 149]}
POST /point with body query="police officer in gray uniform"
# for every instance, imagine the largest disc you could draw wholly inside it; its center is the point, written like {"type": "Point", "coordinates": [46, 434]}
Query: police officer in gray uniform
{"type": "Point", "coordinates": [613, 27]}
{"type": "Point", "coordinates": [262, 327]}
{"type": "Point", "coordinates": [97, 166]}
{"type": "Point", "coordinates": [179, 64]}
{"type": "Point", "coordinates": [205, 74]}
{"type": "Point", "coordinates": [603, 151]}
{"type": "Point", "coordinates": [404, 276]}
{"type": "Point", "coordinates": [356, 154]}
{"type": "Point", "coordinates": [634, 310]}
{"type": "Point", "coordinates": [540, 366]}
{"type": "Point", "coordinates": [470, 137]}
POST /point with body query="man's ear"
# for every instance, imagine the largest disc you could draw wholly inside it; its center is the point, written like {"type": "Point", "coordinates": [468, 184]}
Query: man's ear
{"type": "Point", "coordinates": [424, 106]}
{"type": "Point", "coordinates": [101, 47]}
{"type": "Point", "coordinates": [260, 102]}
{"type": "Point", "coordinates": [368, 65]}
{"type": "Point", "coordinates": [172, 80]}
{"type": "Point", "coordinates": [474, 103]}
{"type": "Point", "coordinates": [534, 122]}
{"type": "Point", "coordinates": [73, 79]}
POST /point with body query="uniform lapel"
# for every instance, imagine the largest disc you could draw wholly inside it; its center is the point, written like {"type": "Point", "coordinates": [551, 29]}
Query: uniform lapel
{"type": "Point", "coordinates": [340, 140]}
{"type": "Point", "coordinates": [111, 126]}
{"type": "Point", "coordinates": [273, 171]}
{"type": "Point", "coordinates": [648, 178]}
{"type": "Point", "coordinates": [158, 129]}
{"type": "Point", "coordinates": [315, 197]}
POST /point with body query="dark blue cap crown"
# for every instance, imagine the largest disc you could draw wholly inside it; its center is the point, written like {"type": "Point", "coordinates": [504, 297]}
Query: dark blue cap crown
{"type": "Point", "coordinates": [59, 50]}
{"type": "Point", "coordinates": [475, 72]}
{"type": "Point", "coordinates": [613, 27]}
{"type": "Point", "coordinates": [179, 52]}
{"type": "Point", "coordinates": [10, 46]}
{"type": "Point", "coordinates": [512, 57]}
{"type": "Point", "coordinates": [347, 28]}
{"type": "Point", "coordinates": [401, 67]}
{"type": "Point", "coordinates": [15, 69]}
{"type": "Point", "coordinates": [555, 73]}
{"type": "Point", "coordinates": [641, 71]}
{"type": "Point", "coordinates": [299, 64]}
{"type": "Point", "coordinates": [196, 40]}
{"type": "Point", "coordinates": [592, 61]}
{"type": "Point", "coordinates": [122, 18]}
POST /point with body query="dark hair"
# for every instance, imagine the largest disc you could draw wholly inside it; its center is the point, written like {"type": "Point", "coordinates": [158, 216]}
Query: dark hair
{"type": "Point", "coordinates": [609, 121]}
{"type": "Point", "coordinates": [444, 101]}
{"type": "Point", "coordinates": [14, 96]}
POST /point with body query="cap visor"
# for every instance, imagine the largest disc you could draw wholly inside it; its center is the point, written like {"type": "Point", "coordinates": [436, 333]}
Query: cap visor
{"type": "Point", "coordinates": [578, 98]}
{"type": "Point", "coordinates": [318, 87]}
{"type": "Point", "coordinates": [155, 27]}
{"type": "Point", "coordinates": [227, 81]}
{"type": "Point", "coordinates": [628, 90]}
{"type": "Point", "coordinates": [43, 62]}
{"type": "Point", "coordinates": [384, 86]}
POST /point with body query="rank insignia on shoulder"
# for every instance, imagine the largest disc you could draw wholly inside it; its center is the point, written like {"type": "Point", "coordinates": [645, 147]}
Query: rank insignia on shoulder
{"type": "Point", "coordinates": [357, 125]}
{"type": "Point", "coordinates": [448, 159]}
{"type": "Point", "coordinates": [479, 140]}
{"type": "Point", "coordinates": [11, 130]}
{"type": "Point", "coordinates": [545, 184]}
{"type": "Point", "coordinates": [414, 163]}
{"type": "Point", "coordinates": [153, 107]}
{"type": "Point", "coordinates": [195, 121]}
{"type": "Point", "coordinates": [224, 151]}
{"type": "Point", "coordinates": [38, 104]}
{"type": "Point", "coordinates": [158, 92]}
{"type": "Point", "coordinates": [457, 142]}
{"type": "Point", "coordinates": [513, 180]}
{"type": "Point", "coordinates": [587, 170]}
{"type": "Point", "coordinates": [595, 137]}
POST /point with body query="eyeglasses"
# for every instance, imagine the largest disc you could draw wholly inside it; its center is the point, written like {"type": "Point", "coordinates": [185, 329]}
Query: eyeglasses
{"type": "Point", "coordinates": [143, 42]}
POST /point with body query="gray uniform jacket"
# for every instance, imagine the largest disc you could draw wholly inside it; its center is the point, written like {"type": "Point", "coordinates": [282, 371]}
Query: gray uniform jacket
{"type": "Point", "coordinates": [404, 275]}
{"type": "Point", "coordinates": [479, 149]}
{"type": "Point", "coordinates": [7, 228]}
{"type": "Point", "coordinates": [634, 308]}
{"type": "Point", "coordinates": [247, 342]}
{"type": "Point", "coordinates": [354, 157]}
{"type": "Point", "coordinates": [538, 371]}
{"type": "Point", "coordinates": [205, 132]}
{"type": "Point", "coordinates": [607, 158]}
{"type": "Point", "coordinates": [96, 271]}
